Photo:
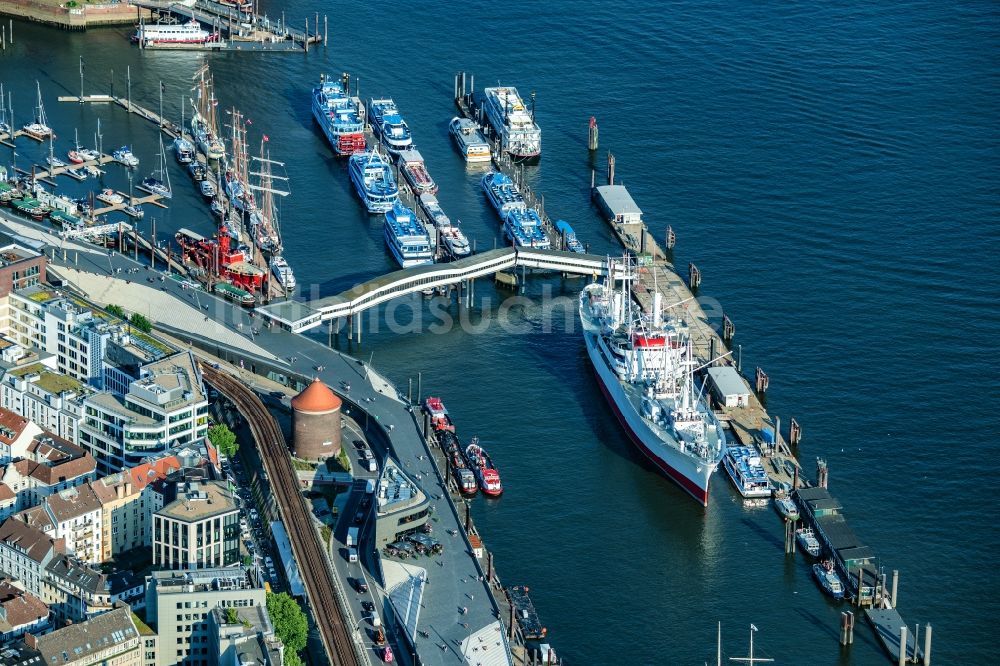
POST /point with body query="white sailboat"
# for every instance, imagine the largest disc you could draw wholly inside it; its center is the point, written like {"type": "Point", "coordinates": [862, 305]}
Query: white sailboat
{"type": "Point", "coordinates": [159, 181]}
{"type": "Point", "coordinates": [39, 129]}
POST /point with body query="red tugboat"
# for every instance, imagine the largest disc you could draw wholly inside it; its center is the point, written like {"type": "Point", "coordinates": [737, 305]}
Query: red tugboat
{"type": "Point", "coordinates": [486, 472]}
{"type": "Point", "coordinates": [217, 257]}
{"type": "Point", "coordinates": [439, 415]}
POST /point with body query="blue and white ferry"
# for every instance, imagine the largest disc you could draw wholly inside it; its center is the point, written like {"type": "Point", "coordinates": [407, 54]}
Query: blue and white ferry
{"type": "Point", "coordinates": [569, 237]}
{"type": "Point", "coordinates": [502, 193]}
{"type": "Point", "coordinates": [389, 126]}
{"type": "Point", "coordinates": [406, 237]}
{"type": "Point", "coordinates": [748, 474]}
{"type": "Point", "coordinates": [523, 228]}
{"type": "Point", "coordinates": [373, 179]}
{"type": "Point", "coordinates": [339, 116]}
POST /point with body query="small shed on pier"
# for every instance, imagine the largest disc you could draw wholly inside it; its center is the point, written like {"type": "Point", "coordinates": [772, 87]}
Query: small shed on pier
{"type": "Point", "coordinates": [728, 386]}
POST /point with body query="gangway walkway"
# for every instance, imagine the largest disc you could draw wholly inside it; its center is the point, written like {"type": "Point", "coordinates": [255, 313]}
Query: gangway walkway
{"type": "Point", "coordinates": [297, 316]}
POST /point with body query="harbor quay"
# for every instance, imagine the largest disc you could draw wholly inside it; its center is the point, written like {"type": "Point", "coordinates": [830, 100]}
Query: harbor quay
{"type": "Point", "coordinates": [458, 610]}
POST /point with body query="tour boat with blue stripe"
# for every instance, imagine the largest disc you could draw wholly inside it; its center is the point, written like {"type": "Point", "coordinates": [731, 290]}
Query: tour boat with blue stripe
{"type": "Point", "coordinates": [470, 140]}
{"type": "Point", "coordinates": [373, 180]}
{"type": "Point", "coordinates": [407, 238]}
{"type": "Point", "coordinates": [746, 471]}
{"type": "Point", "coordinates": [339, 116]}
{"type": "Point", "coordinates": [389, 125]}
{"type": "Point", "coordinates": [523, 228]}
{"type": "Point", "coordinates": [502, 192]}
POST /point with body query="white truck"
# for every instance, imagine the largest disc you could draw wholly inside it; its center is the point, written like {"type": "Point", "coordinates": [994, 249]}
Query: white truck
{"type": "Point", "coordinates": [352, 537]}
{"type": "Point", "coordinates": [370, 487]}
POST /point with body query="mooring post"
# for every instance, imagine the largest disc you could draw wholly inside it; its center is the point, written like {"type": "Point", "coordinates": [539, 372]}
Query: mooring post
{"type": "Point", "coordinates": [927, 645]}
{"type": "Point", "coordinates": [592, 137]}
{"type": "Point", "coordinates": [305, 37]}
{"type": "Point", "coordinates": [326, 27]}
{"type": "Point", "coordinates": [903, 647]}
{"type": "Point", "coordinates": [843, 628]}
{"type": "Point", "coordinates": [895, 586]}
{"type": "Point", "coordinates": [420, 383]}
{"type": "Point", "coordinates": [861, 582]}
{"type": "Point", "coordinates": [409, 392]}
{"type": "Point", "coordinates": [611, 169]}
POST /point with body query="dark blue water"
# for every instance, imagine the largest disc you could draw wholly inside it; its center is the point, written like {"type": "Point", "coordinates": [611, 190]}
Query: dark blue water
{"type": "Point", "coordinates": [832, 169]}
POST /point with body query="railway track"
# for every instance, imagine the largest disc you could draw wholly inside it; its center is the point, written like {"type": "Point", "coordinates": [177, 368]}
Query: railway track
{"type": "Point", "coordinates": [305, 544]}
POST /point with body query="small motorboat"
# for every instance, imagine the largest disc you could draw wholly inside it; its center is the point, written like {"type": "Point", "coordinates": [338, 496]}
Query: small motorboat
{"type": "Point", "coordinates": [785, 506]}
{"type": "Point", "coordinates": [207, 189]}
{"type": "Point", "coordinates": [218, 208]}
{"type": "Point", "coordinates": [807, 539]}
{"type": "Point", "coordinates": [75, 157]}
{"type": "Point", "coordinates": [197, 170]}
{"type": "Point", "coordinates": [110, 197]}
{"type": "Point", "coordinates": [135, 212]}
{"type": "Point", "coordinates": [55, 162]}
{"type": "Point", "coordinates": [76, 173]}
{"type": "Point", "coordinates": [125, 156]}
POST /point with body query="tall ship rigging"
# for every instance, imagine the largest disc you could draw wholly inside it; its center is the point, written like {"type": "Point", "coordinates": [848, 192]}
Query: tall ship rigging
{"type": "Point", "coordinates": [645, 368]}
{"type": "Point", "coordinates": [340, 116]}
{"type": "Point", "coordinates": [264, 224]}
{"type": "Point", "coordinates": [519, 134]}
{"type": "Point", "coordinates": [236, 179]}
{"type": "Point", "coordinates": [204, 123]}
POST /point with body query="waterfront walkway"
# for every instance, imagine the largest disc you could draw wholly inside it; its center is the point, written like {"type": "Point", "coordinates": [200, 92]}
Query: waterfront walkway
{"type": "Point", "coordinates": [459, 602]}
{"type": "Point", "coordinates": [298, 316]}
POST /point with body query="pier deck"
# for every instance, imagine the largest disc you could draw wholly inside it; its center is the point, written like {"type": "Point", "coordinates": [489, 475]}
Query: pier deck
{"type": "Point", "coordinates": [887, 622]}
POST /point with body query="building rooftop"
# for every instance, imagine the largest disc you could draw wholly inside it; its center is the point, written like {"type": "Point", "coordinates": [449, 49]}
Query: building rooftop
{"type": "Point", "coordinates": [78, 574]}
{"type": "Point", "coordinates": [728, 381]}
{"type": "Point", "coordinates": [11, 426]}
{"type": "Point", "coordinates": [12, 253]}
{"type": "Point", "coordinates": [52, 382]}
{"type": "Point", "coordinates": [78, 641]}
{"type": "Point", "coordinates": [197, 500]}
{"type": "Point", "coordinates": [34, 543]}
{"type": "Point", "coordinates": [72, 503]}
{"type": "Point", "coordinates": [317, 397]}
{"type": "Point", "coordinates": [618, 200]}
{"type": "Point", "coordinates": [395, 490]}
{"type": "Point", "coordinates": [170, 383]}
{"type": "Point", "coordinates": [201, 580]}
{"type": "Point", "coordinates": [19, 607]}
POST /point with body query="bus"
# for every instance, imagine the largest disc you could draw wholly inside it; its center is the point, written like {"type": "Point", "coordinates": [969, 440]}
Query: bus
{"type": "Point", "coordinates": [235, 294]}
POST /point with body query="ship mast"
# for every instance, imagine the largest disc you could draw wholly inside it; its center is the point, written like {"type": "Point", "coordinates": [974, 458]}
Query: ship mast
{"type": "Point", "coordinates": [268, 233]}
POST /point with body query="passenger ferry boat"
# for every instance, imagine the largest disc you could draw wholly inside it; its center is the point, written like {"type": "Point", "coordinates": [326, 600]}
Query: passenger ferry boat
{"type": "Point", "coordinates": [415, 172]}
{"type": "Point", "coordinates": [283, 272]}
{"type": "Point", "coordinates": [502, 192]}
{"type": "Point", "coordinates": [519, 135]}
{"type": "Point", "coordinates": [389, 126]}
{"type": "Point", "coordinates": [568, 236]}
{"type": "Point", "coordinates": [173, 33]}
{"type": "Point", "coordinates": [828, 579]}
{"type": "Point", "coordinates": [373, 180]}
{"type": "Point", "coordinates": [339, 116]}
{"type": "Point", "coordinates": [747, 472]}
{"type": "Point", "coordinates": [523, 228]}
{"type": "Point", "coordinates": [452, 237]}
{"type": "Point", "coordinates": [406, 238]}
{"type": "Point", "coordinates": [470, 140]}
{"type": "Point", "coordinates": [807, 539]}
{"type": "Point", "coordinates": [486, 472]}
{"type": "Point", "coordinates": [645, 368]}
{"type": "Point", "coordinates": [233, 293]}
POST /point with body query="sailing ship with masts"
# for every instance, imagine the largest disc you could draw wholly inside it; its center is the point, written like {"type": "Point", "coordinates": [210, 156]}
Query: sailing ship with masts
{"type": "Point", "coordinates": [264, 225]}
{"type": "Point", "coordinates": [204, 123]}
{"type": "Point", "coordinates": [236, 180]}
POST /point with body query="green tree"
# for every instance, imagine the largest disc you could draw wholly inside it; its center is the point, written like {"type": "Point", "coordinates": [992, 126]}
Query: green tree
{"type": "Point", "coordinates": [117, 311]}
{"type": "Point", "coordinates": [289, 623]}
{"type": "Point", "coordinates": [292, 659]}
{"type": "Point", "coordinates": [232, 616]}
{"type": "Point", "coordinates": [223, 439]}
{"type": "Point", "coordinates": [141, 323]}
